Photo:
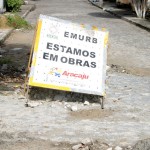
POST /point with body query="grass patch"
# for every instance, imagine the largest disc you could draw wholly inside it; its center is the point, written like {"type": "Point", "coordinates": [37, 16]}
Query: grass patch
{"type": "Point", "coordinates": [17, 22]}
{"type": "Point", "coordinates": [13, 21]}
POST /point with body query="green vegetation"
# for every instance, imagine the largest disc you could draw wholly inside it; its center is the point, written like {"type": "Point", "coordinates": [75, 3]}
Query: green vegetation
{"type": "Point", "coordinates": [13, 5]}
{"type": "Point", "coordinates": [13, 21]}
{"type": "Point", "coordinates": [17, 22]}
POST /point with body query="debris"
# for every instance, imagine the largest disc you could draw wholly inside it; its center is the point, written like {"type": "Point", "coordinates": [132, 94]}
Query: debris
{"type": "Point", "coordinates": [117, 148]}
{"type": "Point", "coordinates": [108, 67]}
{"type": "Point", "coordinates": [58, 98]}
{"type": "Point", "coordinates": [109, 148]}
{"type": "Point", "coordinates": [21, 68]}
{"type": "Point", "coordinates": [26, 2]}
{"type": "Point", "coordinates": [74, 108]}
{"type": "Point", "coordinates": [87, 141]}
{"type": "Point", "coordinates": [16, 49]}
{"type": "Point", "coordinates": [33, 104]}
{"type": "Point", "coordinates": [4, 67]}
{"type": "Point", "coordinates": [85, 148]}
{"type": "Point", "coordinates": [129, 147]}
{"type": "Point", "coordinates": [86, 103]}
{"type": "Point", "coordinates": [123, 71]}
{"type": "Point", "coordinates": [17, 91]}
{"type": "Point", "coordinates": [66, 105]}
{"type": "Point", "coordinates": [2, 51]}
{"type": "Point", "coordinates": [21, 97]}
{"type": "Point", "coordinates": [23, 75]}
{"type": "Point", "coordinates": [145, 94]}
{"type": "Point", "coordinates": [77, 147]}
{"type": "Point", "coordinates": [84, 145]}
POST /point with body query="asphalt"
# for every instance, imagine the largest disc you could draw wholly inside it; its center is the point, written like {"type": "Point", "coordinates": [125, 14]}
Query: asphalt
{"type": "Point", "coordinates": [123, 13]}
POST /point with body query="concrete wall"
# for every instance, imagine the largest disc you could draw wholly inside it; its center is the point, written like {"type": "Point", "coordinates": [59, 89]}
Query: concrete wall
{"type": "Point", "coordinates": [1, 6]}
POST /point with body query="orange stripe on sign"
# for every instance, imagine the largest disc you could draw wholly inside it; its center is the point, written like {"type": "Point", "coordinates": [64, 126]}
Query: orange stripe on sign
{"type": "Point", "coordinates": [39, 26]}
{"type": "Point", "coordinates": [95, 28]}
{"type": "Point", "coordinates": [82, 25]}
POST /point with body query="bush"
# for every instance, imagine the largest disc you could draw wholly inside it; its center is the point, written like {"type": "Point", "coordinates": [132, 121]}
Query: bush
{"type": "Point", "coordinates": [13, 5]}
{"type": "Point", "coordinates": [17, 22]}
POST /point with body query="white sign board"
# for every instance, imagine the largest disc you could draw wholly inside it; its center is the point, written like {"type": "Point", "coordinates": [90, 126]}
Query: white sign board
{"type": "Point", "coordinates": [68, 56]}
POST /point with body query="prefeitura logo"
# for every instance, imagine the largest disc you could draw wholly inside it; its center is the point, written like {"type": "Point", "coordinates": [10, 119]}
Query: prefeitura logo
{"type": "Point", "coordinates": [55, 72]}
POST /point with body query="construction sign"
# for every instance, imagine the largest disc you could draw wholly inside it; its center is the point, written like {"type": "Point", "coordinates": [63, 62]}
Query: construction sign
{"type": "Point", "coordinates": [68, 56]}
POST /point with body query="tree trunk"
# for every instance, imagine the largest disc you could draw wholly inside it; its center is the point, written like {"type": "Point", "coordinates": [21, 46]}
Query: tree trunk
{"type": "Point", "coordinates": [140, 7]}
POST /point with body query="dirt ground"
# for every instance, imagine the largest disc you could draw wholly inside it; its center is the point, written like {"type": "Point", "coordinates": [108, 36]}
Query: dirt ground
{"type": "Point", "coordinates": [123, 122]}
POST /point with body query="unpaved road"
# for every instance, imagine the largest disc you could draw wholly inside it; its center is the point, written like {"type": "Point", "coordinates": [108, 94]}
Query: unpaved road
{"type": "Point", "coordinates": [52, 125]}
{"type": "Point", "coordinates": [123, 122]}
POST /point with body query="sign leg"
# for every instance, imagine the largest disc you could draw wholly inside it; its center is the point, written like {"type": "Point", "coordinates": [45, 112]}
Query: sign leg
{"type": "Point", "coordinates": [101, 100]}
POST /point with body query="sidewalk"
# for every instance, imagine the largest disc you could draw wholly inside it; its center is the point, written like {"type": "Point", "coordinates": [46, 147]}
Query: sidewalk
{"type": "Point", "coordinates": [25, 10]}
{"type": "Point", "coordinates": [124, 13]}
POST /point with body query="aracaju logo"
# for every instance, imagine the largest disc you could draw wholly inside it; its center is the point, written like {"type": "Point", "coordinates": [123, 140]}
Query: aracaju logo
{"type": "Point", "coordinates": [58, 73]}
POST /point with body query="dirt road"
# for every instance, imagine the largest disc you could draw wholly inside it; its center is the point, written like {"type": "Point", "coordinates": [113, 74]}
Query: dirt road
{"type": "Point", "coordinates": [52, 124]}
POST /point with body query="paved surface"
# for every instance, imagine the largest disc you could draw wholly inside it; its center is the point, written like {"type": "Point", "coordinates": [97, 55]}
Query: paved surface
{"type": "Point", "coordinates": [124, 13]}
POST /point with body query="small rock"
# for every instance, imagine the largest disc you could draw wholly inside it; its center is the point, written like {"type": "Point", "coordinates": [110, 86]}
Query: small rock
{"type": "Point", "coordinates": [117, 148]}
{"type": "Point", "coordinates": [85, 148]}
{"type": "Point", "coordinates": [26, 2]}
{"type": "Point", "coordinates": [58, 98]}
{"type": "Point", "coordinates": [33, 104]}
{"type": "Point", "coordinates": [129, 147]}
{"type": "Point", "coordinates": [86, 103]}
{"type": "Point", "coordinates": [123, 71]}
{"type": "Point", "coordinates": [107, 67]}
{"type": "Point", "coordinates": [2, 51]}
{"type": "Point", "coordinates": [21, 97]}
{"type": "Point", "coordinates": [87, 141]}
{"type": "Point", "coordinates": [1, 56]}
{"type": "Point", "coordinates": [74, 108]}
{"type": "Point", "coordinates": [23, 75]}
{"type": "Point", "coordinates": [4, 67]}
{"type": "Point", "coordinates": [66, 105]}
{"type": "Point", "coordinates": [17, 91]}
{"type": "Point", "coordinates": [77, 147]}
{"type": "Point", "coordinates": [52, 106]}
{"type": "Point", "coordinates": [17, 49]}
{"type": "Point", "coordinates": [145, 94]}
{"type": "Point", "coordinates": [109, 148]}
{"type": "Point", "coordinates": [21, 68]}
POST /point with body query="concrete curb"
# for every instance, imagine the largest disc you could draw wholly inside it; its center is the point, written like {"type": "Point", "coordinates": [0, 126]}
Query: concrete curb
{"type": "Point", "coordinates": [123, 18]}
{"type": "Point", "coordinates": [7, 33]}
{"type": "Point", "coordinates": [32, 8]}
